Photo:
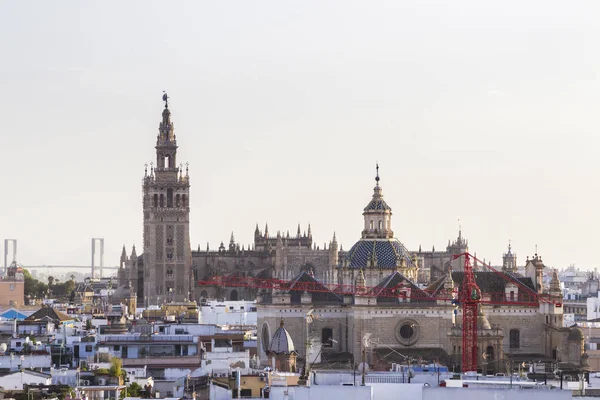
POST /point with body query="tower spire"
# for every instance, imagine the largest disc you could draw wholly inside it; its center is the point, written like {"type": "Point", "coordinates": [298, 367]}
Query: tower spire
{"type": "Point", "coordinates": [166, 99]}
{"type": "Point", "coordinates": [377, 214]}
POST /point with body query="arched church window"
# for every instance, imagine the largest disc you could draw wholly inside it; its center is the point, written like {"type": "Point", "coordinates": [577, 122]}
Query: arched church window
{"type": "Point", "coordinates": [327, 337]}
{"type": "Point", "coordinates": [371, 226]}
{"type": "Point", "coordinates": [380, 224]}
{"type": "Point", "coordinates": [155, 202]}
{"type": "Point", "coordinates": [167, 161]}
{"type": "Point", "coordinates": [515, 340]}
{"type": "Point", "coordinates": [162, 200]}
{"type": "Point", "coordinates": [170, 272]}
{"type": "Point", "coordinates": [177, 198]}
{"type": "Point", "coordinates": [184, 200]}
{"type": "Point", "coordinates": [169, 197]}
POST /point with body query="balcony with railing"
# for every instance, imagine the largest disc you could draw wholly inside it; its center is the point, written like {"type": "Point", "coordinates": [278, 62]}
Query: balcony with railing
{"type": "Point", "coordinates": [145, 338]}
{"type": "Point", "coordinates": [163, 361]}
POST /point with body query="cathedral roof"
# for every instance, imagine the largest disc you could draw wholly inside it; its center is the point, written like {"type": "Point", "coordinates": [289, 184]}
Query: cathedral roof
{"type": "Point", "coordinates": [320, 293]}
{"type": "Point", "coordinates": [493, 282]}
{"type": "Point", "coordinates": [382, 253]}
{"type": "Point", "coordinates": [396, 280]}
{"type": "Point", "coordinates": [282, 342]}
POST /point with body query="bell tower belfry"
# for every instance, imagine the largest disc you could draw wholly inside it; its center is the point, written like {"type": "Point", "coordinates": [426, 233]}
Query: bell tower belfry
{"type": "Point", "coordinates": [167, 256]}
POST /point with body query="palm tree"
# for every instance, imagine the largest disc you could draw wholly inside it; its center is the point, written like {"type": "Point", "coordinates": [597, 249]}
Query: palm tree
{"type": "Point", "coordinates": [72, 277]}
{"type": "Point", "coordinates": [50, 280]}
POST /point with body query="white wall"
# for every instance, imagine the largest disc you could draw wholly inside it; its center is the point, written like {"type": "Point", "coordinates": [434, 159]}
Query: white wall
{"type": "Point", "coordinates": [432, 393]}
{"type": "Point", "coordinates": [17, 380]}
{"type": "Point", "coordinates": [228, 313]}
{"type": "Point", "coordinates": [29, 361]}
{"type": "Point", "coordinates": [218, 393]}
{"type": "Point", "coordinates": [593, 308]}
{"type": "Point", "coordinates": [326, 393]}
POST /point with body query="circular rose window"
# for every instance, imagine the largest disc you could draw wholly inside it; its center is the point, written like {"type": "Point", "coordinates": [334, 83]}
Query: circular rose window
{"type": "Point", "coordinates": [407, 332]}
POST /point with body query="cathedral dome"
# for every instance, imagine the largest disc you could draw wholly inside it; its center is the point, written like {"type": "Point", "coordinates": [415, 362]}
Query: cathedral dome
{"type": "Point", "coordinates": [282, 342]}
{"type": "Point", "coordinates": [377, 253]}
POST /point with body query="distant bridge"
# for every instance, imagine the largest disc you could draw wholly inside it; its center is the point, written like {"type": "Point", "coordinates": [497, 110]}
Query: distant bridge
{"type": "Point", "coordinates": [75, 267]}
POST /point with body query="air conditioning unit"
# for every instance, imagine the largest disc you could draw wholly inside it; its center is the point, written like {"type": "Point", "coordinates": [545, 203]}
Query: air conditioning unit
{"type": "Point", "coordinates": [102, 381]}
{"type": "Point", "coordinates": [224, 375]}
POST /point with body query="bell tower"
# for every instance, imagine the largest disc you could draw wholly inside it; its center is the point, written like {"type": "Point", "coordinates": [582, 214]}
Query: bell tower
{"type": "Point", "coordinates": [167, 253]}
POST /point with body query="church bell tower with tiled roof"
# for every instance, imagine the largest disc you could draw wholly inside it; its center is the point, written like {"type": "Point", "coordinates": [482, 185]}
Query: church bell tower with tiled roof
{"type": "Point", "coordinates": [167, 255]}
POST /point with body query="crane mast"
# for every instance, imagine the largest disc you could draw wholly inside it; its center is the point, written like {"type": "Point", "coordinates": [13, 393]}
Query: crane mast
{"type": "Point", "coordinates": [470, 297]}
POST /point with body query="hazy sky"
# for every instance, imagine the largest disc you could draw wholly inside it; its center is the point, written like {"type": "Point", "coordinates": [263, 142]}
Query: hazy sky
{"type": "Point", "coordinates": [479, 110]}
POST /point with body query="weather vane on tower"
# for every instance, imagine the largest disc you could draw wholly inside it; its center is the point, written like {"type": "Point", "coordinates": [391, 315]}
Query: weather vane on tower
{"type": "Point", "coordinates": [377, 176]}
{"type": "Point", "coordinates": [166, 99]}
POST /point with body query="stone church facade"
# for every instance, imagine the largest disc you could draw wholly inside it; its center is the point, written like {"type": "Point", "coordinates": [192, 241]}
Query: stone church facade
{"type": "Point", "coordinates": [419, 323]}
{"type": "Point", "coordinates": [279, 256]}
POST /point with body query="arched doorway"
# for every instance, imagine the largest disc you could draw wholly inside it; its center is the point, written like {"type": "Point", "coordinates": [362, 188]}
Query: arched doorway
{"type": "Point", "coordinates": [488, 362]}
{"type": "Point", "coordinates": [233, 296]}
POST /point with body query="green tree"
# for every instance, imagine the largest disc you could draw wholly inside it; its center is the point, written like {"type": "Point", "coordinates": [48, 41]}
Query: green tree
{"type": "Point", "coordinates": [69, 286]}
{"type": "Point", "coordinates": [33, 288]}
{"type": "Point", "coordinates": [134, 390]}
{"type": "Point", "coordinates": [116, 367]}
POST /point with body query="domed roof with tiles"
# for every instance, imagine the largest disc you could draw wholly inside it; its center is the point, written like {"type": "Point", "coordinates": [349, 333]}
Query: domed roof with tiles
{"type": "Point", "coordinates": [282, 342]}
{"type": "Point", "coordinates": [377, 253]}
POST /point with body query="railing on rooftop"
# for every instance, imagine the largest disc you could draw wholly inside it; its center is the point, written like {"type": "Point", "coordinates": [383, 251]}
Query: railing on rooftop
{"type": "Point", "coordinates": [148, 338]}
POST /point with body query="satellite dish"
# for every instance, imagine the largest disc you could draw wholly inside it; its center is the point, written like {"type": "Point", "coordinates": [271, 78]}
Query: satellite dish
{"type": "Point", "coordinates": [3, 348]}
{"type": "Point", "coordinates": [363, 367]}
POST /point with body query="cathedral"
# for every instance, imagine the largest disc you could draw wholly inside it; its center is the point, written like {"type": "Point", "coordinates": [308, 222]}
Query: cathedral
{"type": "Point", "coordinates": [418, 323]}
{"type": "Point", "coordinates": [520, 320]}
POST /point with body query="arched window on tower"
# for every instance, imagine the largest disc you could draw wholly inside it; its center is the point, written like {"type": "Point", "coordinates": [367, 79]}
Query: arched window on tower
{"type": "Point", "coordinates": [155, 202]}
{"type": "Point", "coordinates": [371, 226]}
{"type": "Point", "coordinates": [177, 198]}
{"type": "Point", "coordinates": [327, 337]}
{"type": "Point", "coordinates": [515, 340]}
{"type": "Point", "coordinates": [167, 161]}
{"type": "Point", "coordinates": [162, 200]}
{"type": "Point", "coordinates": [184, 200]}
{"type": "Point", "coordinates": [380, 225]}
{"type": "Point", "coordinates": [169, 197]}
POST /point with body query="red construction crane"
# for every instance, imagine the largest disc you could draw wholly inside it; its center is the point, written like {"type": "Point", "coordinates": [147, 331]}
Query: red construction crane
{"type": "Point", "coordinates": [469, 298]}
